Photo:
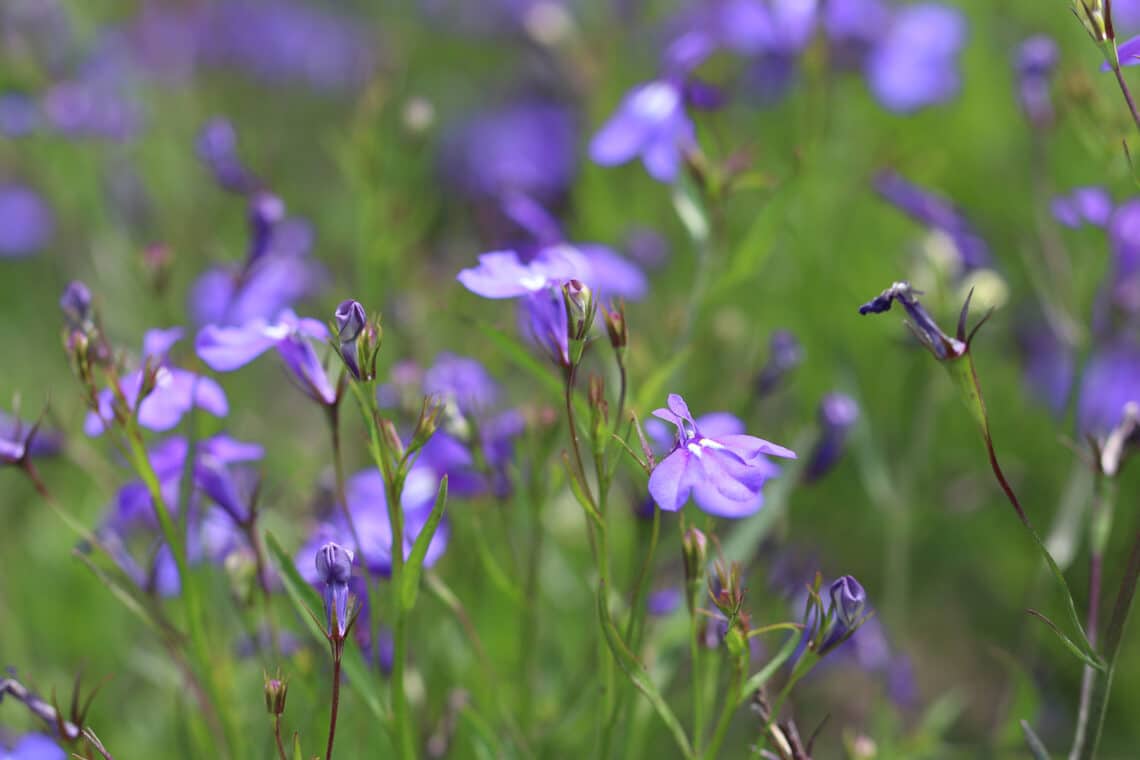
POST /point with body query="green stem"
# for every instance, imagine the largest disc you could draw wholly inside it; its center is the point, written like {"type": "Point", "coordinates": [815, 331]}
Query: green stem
{"type": "Point", "coordinates": [697, 682]}
{"type": "Point", "coordinates": [731, 700]}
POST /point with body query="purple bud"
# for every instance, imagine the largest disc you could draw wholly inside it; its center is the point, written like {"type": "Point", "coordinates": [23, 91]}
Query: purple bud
{"type": "Point", "coordinates": [350, 322]}
{"type": "Point", "coordinates": [847, 601]}
{"type": "Point", "coordinates": [1036, 61]}
{"type": "Point", "coordinates": [76, 304]}
{"type": "Point", "coordinates": [334, 568]}
{"type": "Point", "coordinates": [266, 210]}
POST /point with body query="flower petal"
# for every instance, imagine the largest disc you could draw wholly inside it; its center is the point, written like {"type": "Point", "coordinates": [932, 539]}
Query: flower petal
{"type": "Point", "coordinates": [668, 483]}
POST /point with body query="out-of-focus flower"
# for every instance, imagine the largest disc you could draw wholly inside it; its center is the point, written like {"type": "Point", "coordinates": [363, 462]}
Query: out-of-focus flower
{"type": "Point", "coordinates": [225, 349]}
{"type": "Point", "coordinates": [1110, 381]}
{"type": "Point", "coordinates": [463, 381]}
{"type": "Point", "coordinates": [651, 123]}
{"type": "Point", "coordinates": [1036, 61]}
{"type": "Point", "coordinates": [276, 274]}
{"type": "Point", "coordinates": [500, 274]}
{"type": "Point", "coordinates": [19, 115]}
{"type": "Point", "coordinates": [542, 317]}
{"type": "Point", "coordinates": [19, 440]}
{"type": "Point", "coordinates": [937, 213]}
{"type": "Point", "coordinates": [664, 602]}
{"type": "Point", "coordinates": [723, 474]}
{"type": "Point", "coordinates": [526, 147]}
{"type": "Point", "coordinates": [837, 413]}
{"type": "Point", "coordinates": [784, 354]}
{"type": "Point", "coordinates": [916, 63]}
{"type": "Point", "coordinates": [217, 149]}
{"type": "Point", "coordinates": [33, 747]}
{"type": "Point", "coordinates": [26, 222]}
{"type": "Point", "coordinates": [175, 390]}
{"type": "Point", "coordinates": [1083, 205]}
{"type": "Point", "coordinates": [1124, 239]}
{"type": "Point", "coordinates": [1048, 364]}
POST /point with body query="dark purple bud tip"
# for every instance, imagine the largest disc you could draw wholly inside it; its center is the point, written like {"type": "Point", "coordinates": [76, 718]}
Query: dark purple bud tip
{"type": "Point", "coordinates": [847, 600]}
{"type": "Point", "coordinates": [350, 320]}
{"type": "Point", "coordinates": [76, 303]}
{"type": "Point", "coordinates": [334, 563]}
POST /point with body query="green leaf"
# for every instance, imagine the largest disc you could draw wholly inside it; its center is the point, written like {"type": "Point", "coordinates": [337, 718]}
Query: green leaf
{"type": "Point", "coordinates": [306, 599]}
{"type": "Point", "coordinates": [633, 668]}
{"type": "Point", "coordinates": [415, 565]}
{"type": "Point", "coordinates": [298, 753]}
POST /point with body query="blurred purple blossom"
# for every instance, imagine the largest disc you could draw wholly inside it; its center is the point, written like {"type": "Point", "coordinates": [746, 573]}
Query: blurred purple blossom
{"type": "Point", "coordinates": [664, 602]}
{"type": "Point", "coordinates": [1083, 205]}
{"type": "Point", "coordinates": [724, 474]}
{"type": "Point", "coordinates": [216, 147]}
{"type": "Point", "coordinates": [915, 64]}
{"type": "Point", "coordinates": [1036, 62]}
{"type": "Point", "coordinates": [225, 349]}
{"type": "Point", "coordinates": [1110, 380]}
{"type": "Point", "coordinates": [936, 213]}
{"type": "Point", "coordinates": [19, 439]}
{"type": "Point", "coordinates": [463, 381]}
{"type": "Point", "coordinates": [542, 318]}
{"type": "Point", "coordinates": [1124, 240]}
{"type": "Point", "coordinates": [19, 115]}
{"type": "Point", "coordinates": [33, 747]}
{"type": "Point", "coordinates": [26, 222]}
{"type": "Point", "coordinates": [784, 354]}
{"type": "Point", "coordinates": [1048, 364]}
{"type": "Point", "coordinates": [501, 274]}
{"type": "Point", "coordinates": [526, 147]}
{"type": "Point", "coordinates": [837, 414]}
{"type": "Point", "coordinates": [175, 391]}
{"type": "Point", "coordinates": [649, 123]}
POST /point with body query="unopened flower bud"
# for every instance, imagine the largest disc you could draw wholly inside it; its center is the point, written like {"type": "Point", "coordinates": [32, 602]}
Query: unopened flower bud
{"type": "Point", "coordinates": [847, 601]}
{"type": "Point", "coordinates": [580, 308]}
{"type": "Point", "coordinates": [265, 212]}
{"type": "Point", "coordinates": [616, 327]}
{"type": "Point", "coordinates": [334, 568]}
{"type": "Point", "coordinates": [784, 355]}
{"type": "Point", "coordinates": [695, 553]}
{"type": "Point", "coordinates": [350, 323]}
{"type": "Point", "coordinates": [276, 689]}
{"type": "Point", "coordinates": [837, 414]}
{"type": "Point", "coordinates": [1095, 17]}
{"type": "Point", "coordinates": [76, 305]}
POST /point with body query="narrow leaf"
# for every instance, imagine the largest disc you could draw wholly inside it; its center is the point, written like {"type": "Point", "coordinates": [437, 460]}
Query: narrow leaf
{"type": "Point", "coordinates": [769, 669]}
{"type": "Point", "coordinates": [1069, 643]}
{"type": "Point", "coordinates": [633, 668]}
{"type": "Point", "coordinates": [415, 565]}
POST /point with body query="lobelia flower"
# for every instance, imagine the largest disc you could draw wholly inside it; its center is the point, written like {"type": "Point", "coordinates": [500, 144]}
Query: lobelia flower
{"type": "Point", "coordinates": [176, 391]}
{"type": "Point", "coordinates": [664, 602]}
{"type": "Point", "coordinates": [1047, 362]}
{"type": "Point", "coordinates": [837, 414]}
{"type": "Point", "coordinates": [18, 440]}
{"type": "Point", "coordinates": [26, 221]}
{"type": "Point", "coordinates": [216, 147]}
{"type": "Point", "coordinates": [19, 115]}
{"type": "Point", "coordinates": [847, 600]}
{"type": "Point", "coordinates": [463, 381]}
{"type": "Point", "coordinates": [650, 123]}
{"type": "Point", "coordinates": [500, 274]}
{"type": "Point", "coordinates": [1124, 239]}
{"type": "Point", "coordinates": [1081, 206]}
{"type": "Point", "coordinates": [937, 213]}
{"type": "Point", "coordinates": [528, 147]}
{"type": "Point", "coordinates": [33, 747]}
{"type": "Point", "coordinates": [724, 474]}
{"type": "Point", "coordinates": [1110, 381]}
{"type": "Point", "coordinates": [334, 569]}
{"type": "Point", "coordinates": [276, 274]}
{"type": "Point", "coordinates": [542, 317]}
{"type": "Point", "coordinates": [225, 349]}
{"type": "Point", "coordinates": [1036, 63]}
{"type": "Point", "coordinates": [915, 64]}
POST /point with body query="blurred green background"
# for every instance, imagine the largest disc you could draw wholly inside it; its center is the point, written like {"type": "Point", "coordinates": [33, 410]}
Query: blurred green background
{"type": "Point", "coordinates": [944, 561]}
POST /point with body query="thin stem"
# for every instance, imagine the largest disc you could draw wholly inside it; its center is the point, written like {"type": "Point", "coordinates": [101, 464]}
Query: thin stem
{"type": "Point", "coordinates": [697, 683]}
{"type": "Point", "coordinates": [334, 707]}
{"type": "Point", "coordinates": [571, 377]}
{"type": "Point", "coordinates": [277, 736]}
{"type": "Point", "coordinates": [1088, 677]}
{"type": "Point", "coordinates": [1126, 92]}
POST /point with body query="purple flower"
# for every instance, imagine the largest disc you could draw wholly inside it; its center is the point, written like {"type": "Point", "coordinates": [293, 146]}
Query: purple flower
{"type": "Point", "coordinates": [847, 601]}
{"type": "Point", "coordinates": [925, 329]}
{"type": "Point", "coordinates": [19, 115]}
{"type": "Point", "coordinates": [1124, 238]}
{"type": "Point", "coordinates": [664, 602]}
{"type": "Point", "coordinates": [225, 349]}
{"type": "Point", "coordinates": [916, 63]}
{"type": "Point", "coordinates": [1036, 61]}
{"type": "Point", "coordinates": [542, 317]}
{"type": "Point", "coordinates": [26, 222]}
{"type": "Point", "coordinates": [34, 747]}
{"type": "Point", "coordinates": [19, 440]}
{"type": "Point", "coordinates": [1129, 52]}
{"type": "Point", "coordinates": [1047, 363]}
{"type": "Point", "coordinates": [526, 147]}
{"type": "Point", "coordinates": [1111, 379]}
{"type": "Point", "coordinates": [651, 123]}
{"type": "Point", "coordinates": [350, 322]}
{"type": "Point", "coordinates": [937, 213]}
{"type": "Point", "coordinates": [217, 149]}
{"type": "Point", "coordinates": [175, 391]}
{"type": "Point", "coordinates": [1083, 205]}
{"type": "Point", "coordinates": [599, 266]}
{"type": "Point", "coordinates": [723, 474]}
{"type": "Point", "coordinates": [276, 274]}
{"type": "Point", "coordinates": [463, 381]}
{"type": "Point", "coordinates": [500, 274]}
{"type": "Point", "coordinates": [854, 27]}
{"type": "Point", "coordinates": [837, 413]}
